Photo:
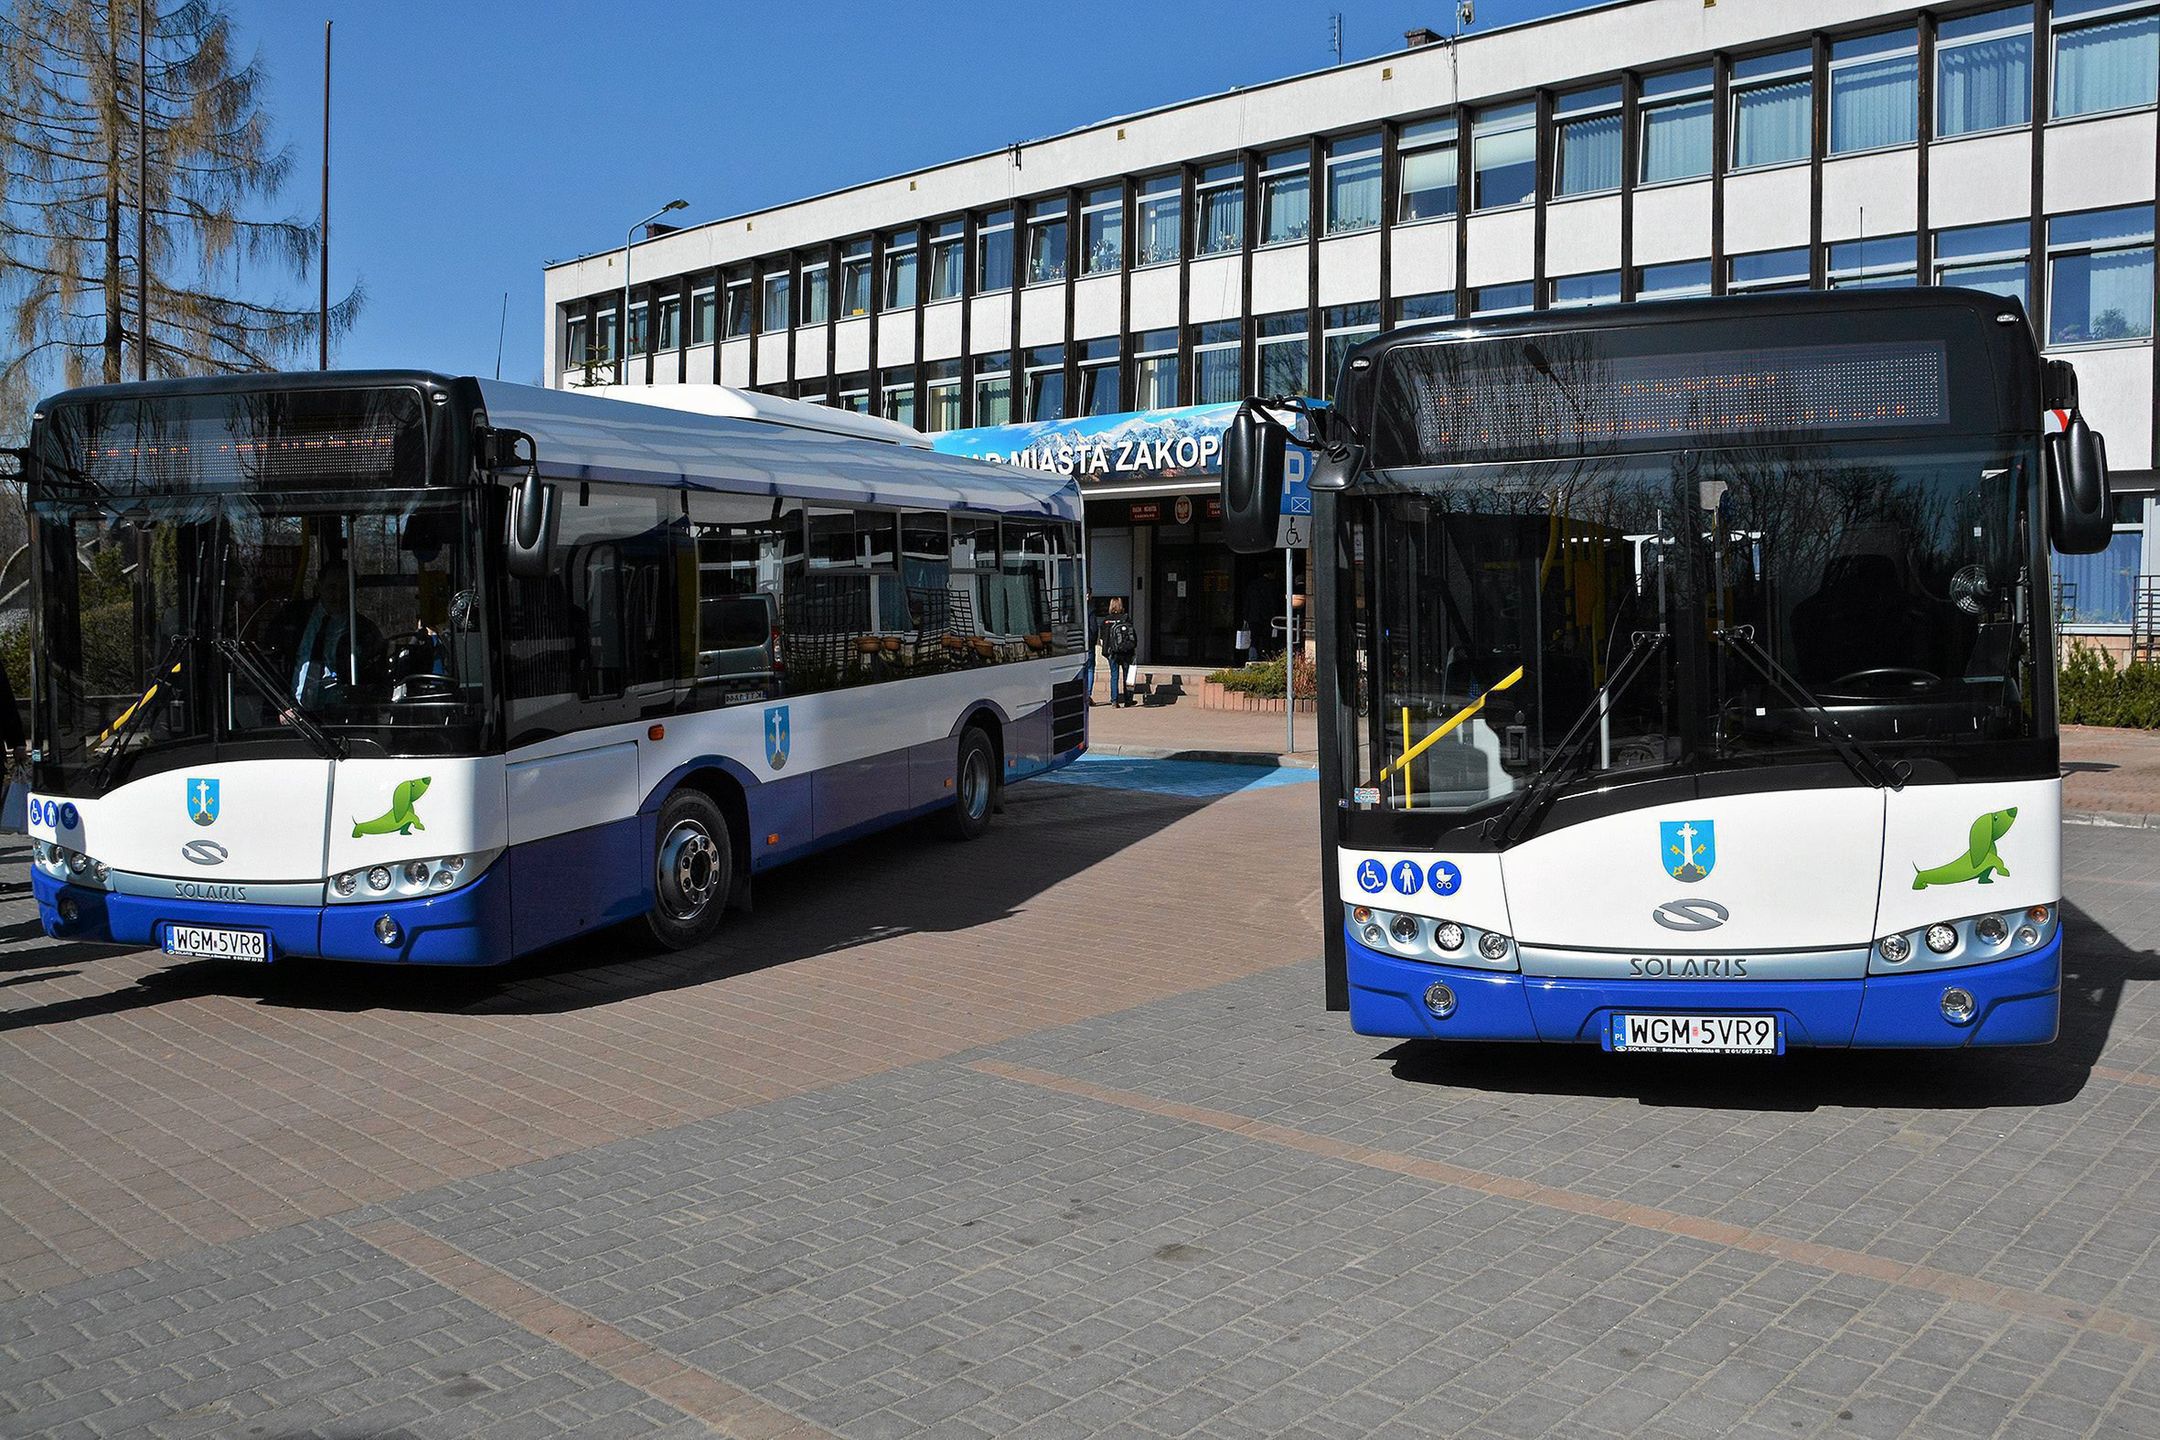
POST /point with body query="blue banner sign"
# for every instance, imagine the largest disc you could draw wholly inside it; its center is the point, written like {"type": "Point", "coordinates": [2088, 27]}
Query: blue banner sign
{"type": "Point", "coordinates": [1180, 444]}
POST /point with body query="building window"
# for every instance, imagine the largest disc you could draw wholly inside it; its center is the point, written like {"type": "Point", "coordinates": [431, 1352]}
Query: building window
{"type": "Point", "coordinates": [1983, 72]}
{"type": "Point", "coordinates": [994, 252]}
{"type": "Point", "coordinates": [898, 291]}
{"type": "Point", "coordinates": [896, 394]}
{"type": "Point", "coordinates": [1155, 370]}
{"type": "Point", "coordinates": [1046, 241]}
{"type": "Point", "coordinates": [776, 317]}
{"type": "Point", "coordinates": [638, 332]}
{"type": "Point", "coordinates": [1046, 383]}
{"type": "Point", "coordinates": [816, 392]}
{"type": "Point", "coordinates": [2107, 56]}
{"type": "Point", "coordinates": [1773, 108]}
{"type": "Point", "coordinates": [1768, 270]}
{"type": "Point", "coordinates": [1102, 231]}
{"type": "Point", "coordinates": [704, 310]}
{"type": "Point", "coordinates": [1987, 257]}
{"type": "Point", "coordinates": [1220, 201]}
{"type": "Point", "coordinates": [738, 308]}
{"type": "Point", "coordinates": [1676, 126]}
{"type": "Point", "coordinates": [604, 335]}
{"type": "Point", "coordinates": [993, 388]}
{"type": "Point", "coordinates": [1586, 141]}
{"type": "Point", "coordinates": [1503, 299]}
{"type": "Point", "coordinates": [1503, 156]}
{"type": "Point", "coordinates": [577, 340]}
{"type": "Point", "coordinates": [1353, 183]}
{"type": "Point", "coordinates": [1676, 281]}
{"type": "Point", "coordinates": [814, 298]}
{"type": "Point", "coordinates": [1285, 195]}
{"type": "Point", "coordinates": [1881, 263]}
{"type": "Point", "coordinates": [2100, 276]}
{"type": "Point", "coordinates": [670, 336]}
{"type": "Point", "coordinates": [1284, 353]}
{"type": "Point", "coordinates": [942, 392]}
{"type": "Point", "coordinates": [1874, 92]}
{"type": "Point", "coordinates": [1099, 377]}
{"type": "Point", "coordinates": [1217, 374]}
{"type": "Point", "coordinates": [1412, 309]}
{"type": "Point", "coordinates": [2102, 589]}
{"type": "Point", "coordinates": [1161, 220]}
{"type": "Point", "coordinates": [948, 260]}
{"type": "Point", "coordinates": [855, 278]}
{"type": "Point", "coordinates": [1342, 329]}
{"type": "Point", "coordinates": [1425, 159]}
{"type": "Point", "coordinates": [854, 394]}
{"type": "Point", "coordinates": [1572, 292]}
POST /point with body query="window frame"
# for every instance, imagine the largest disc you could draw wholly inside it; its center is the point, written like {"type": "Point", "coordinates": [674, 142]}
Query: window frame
{"type": "Point", "coordinates": [1163, 192]}
{"type": "Point", "coordinates": [855, 270]}
{"type": "Point", "coordinates": [705, 305]}
{"type": "Point", "coordinates": [1739, 85]}
{"type": "Point", "coordinates": [1270, 332]}
{"type": "Point", "coordinates": [901, 252]}
{"type": "Point", "coordinates": [1228, 180]}
{"type": "Point", "coordinates": [1039, 363]}
{"type": "Point", "coordinates": [1909, 50]}
{"type": "Point", "coordinates": [990, 227]}
{"type": "Point", "coordinates": [1096, 356]}
{"type": "Point", "coordinates": [987, 368]}
{"type": "Point", "coordinates": [2021, 253]}
{"type": "Point", "coordinates": [1554, 300]}
{"type": "Point", "coordinates": [2099, 14]}
{"type": "Point", "coordinates": [1093, 205]}
{"type": "Point", "coordinates": [948, 246]}
{"type": "Point", "coordinates": [1335, 157]}
{"type": "Point", "coordinates": [1805, 275]}
{"type": "Point", "coordinates": [1947, 46]}
{"type": "Point", "coordinates": [818, 271]}
{"type": "Point", "coordinates": [1582, 106]}
{"type": "Point", "coordinates": [1046, 261]}
{"type": "Point", "coordinates": [744, 288]}
{"type": "Point", "coordinates": [1692, 291]}
{"type": "Point", "coordinates": [1509, 118]}
{"type": "Point", "coordinates": [1864, 273]}
{"type": "Point", "coordinates": [1211, 339]}
{"type": "Point", "coordinates": [2148, 240]}
{"type": "Point", "coordinates": [1691, 94]}
{"type": "Point", "coordinates": [1427, 137]}
{"type": "Point", "coordinates": [1150, 351]}
{"type": "Point", "coordinates": [1339, 328]}
{"type": "Point", "coordinates": [940, 376]}
{"type": "Point", "coordinates": [1275, 168]}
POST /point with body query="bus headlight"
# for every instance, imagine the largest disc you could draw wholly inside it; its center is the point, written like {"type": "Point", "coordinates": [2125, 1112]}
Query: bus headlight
{"type": "Point", "coordinates": [417, 872]}
{"type": "Point", "coordinates": [1942, 938]}
{"type": "Point", "coordinates": [379, 878]}
{"type": "Point", "coordinates": [1991, 928]}
{"type": "Point", "coordinates": [1896, 949]}
{"type": "Point", "coordinates": [428, 875]}
{"type": "Point", "coordinates": [1405, 928]}
{"type": "Point", "coordinates": [1493, 946]}
{"type": "Point", "coordinates": [345, 884]}
{"type": "Point", "coordinates": [77, 862]}
{"type": "Point", "coordinates": [1448, 935]}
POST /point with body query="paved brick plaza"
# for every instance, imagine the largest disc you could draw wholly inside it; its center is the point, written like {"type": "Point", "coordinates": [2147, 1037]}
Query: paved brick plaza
{"type": "Point", "coordinates": [1047, 1136]}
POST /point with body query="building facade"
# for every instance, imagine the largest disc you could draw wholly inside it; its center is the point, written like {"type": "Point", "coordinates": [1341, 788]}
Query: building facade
{"type": "Point", "coordinates": [1243, 242]}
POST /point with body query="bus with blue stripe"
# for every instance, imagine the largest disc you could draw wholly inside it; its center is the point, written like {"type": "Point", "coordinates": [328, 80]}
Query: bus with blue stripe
{"type": "Point", "coordinates": [1687, 670]}
{"type": "Point", "coordinates": [400, 667]}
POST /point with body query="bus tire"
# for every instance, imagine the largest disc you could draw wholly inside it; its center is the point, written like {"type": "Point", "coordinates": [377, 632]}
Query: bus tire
{"type": "Point", "coordinates": [693, 870]}
{"type": "Point", "coordinates": [975, 780]}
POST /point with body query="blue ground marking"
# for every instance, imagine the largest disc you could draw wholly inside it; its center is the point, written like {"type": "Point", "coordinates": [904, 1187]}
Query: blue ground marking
{"type": "Point", "coordinates": [1200, 778]}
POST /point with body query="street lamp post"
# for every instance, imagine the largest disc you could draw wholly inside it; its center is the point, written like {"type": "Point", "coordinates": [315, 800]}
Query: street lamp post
{"type": "Point", "coordinates": [622, 338]}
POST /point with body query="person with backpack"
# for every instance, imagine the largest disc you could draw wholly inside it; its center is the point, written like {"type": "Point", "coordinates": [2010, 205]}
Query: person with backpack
{"type": "Point", "coordinates": [1119, 641]}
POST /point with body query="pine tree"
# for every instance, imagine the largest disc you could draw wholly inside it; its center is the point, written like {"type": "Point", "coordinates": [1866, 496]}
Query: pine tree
{"type": "Point", "coordinates": [80, 103]}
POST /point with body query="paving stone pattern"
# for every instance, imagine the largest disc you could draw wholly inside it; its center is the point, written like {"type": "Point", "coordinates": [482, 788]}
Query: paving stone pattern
{"type": "Point", "coordinates": [1173, 1198]}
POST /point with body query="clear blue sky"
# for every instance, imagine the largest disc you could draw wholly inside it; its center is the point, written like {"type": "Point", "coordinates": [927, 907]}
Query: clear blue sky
{"type": "Point", "coordinates": [472, 142]}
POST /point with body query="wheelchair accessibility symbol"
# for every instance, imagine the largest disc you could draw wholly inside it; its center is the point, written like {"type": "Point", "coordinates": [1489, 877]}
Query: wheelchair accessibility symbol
{"type": "Point", "coordinates": [1371, 878]}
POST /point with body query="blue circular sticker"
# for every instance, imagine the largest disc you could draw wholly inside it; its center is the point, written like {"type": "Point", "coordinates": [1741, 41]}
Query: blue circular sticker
{"type": "Point", "coordinates": [1444, 877]}
{"type": "Point", "coordinates": [1408, 878]}
{"type": "Point", "coordinates": [1370, 877]}
{"type": "Point", "coordinates": [70, 817]}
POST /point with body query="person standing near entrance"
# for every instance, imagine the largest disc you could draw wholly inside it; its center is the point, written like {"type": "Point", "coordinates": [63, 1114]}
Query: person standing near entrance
{"type": "Point", "coordinates": [1120, 642]}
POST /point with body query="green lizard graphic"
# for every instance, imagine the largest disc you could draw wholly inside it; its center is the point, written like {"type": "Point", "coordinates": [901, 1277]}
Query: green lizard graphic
{"type": "Point", "coordinates": [1979, 862]}
{"type": "Point", "coordinates": [400, 816]}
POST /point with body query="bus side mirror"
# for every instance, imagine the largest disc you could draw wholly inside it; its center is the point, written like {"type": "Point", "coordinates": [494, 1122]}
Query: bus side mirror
{"type": "Point", "coordinates": [1252, 479]}
{"type": "Point", "coordinates": [2080, 518]}
{"type": "Point", "coordinates": [531, 538]}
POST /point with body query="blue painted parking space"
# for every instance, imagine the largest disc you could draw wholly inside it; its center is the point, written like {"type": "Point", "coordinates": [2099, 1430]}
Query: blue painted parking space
{"type": "Point", "coordinates": [1202, 779]}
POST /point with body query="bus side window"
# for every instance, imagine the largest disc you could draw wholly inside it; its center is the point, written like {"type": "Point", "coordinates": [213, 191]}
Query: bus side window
{"type": "Point", "coordinates": [746, 559]}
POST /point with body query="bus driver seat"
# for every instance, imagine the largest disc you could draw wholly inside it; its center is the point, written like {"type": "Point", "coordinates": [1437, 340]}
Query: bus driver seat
{"type": "Point", "coordinates": [1861, 618]}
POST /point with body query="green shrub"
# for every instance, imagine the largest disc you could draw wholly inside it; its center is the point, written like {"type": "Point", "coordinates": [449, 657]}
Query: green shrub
{"type": "Point", "coordinates": [1264, 678]}
{"type": "Point", "coordinates": [2095, 689]}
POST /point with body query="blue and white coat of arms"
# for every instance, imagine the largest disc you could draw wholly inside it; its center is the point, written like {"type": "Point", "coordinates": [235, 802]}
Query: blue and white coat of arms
{"type": "Point", "coordinates": [202, 800]}
{"type": "Point", "coordinates": [776, 737]}
{"type": "Point", "coordinates": [1688, 848]}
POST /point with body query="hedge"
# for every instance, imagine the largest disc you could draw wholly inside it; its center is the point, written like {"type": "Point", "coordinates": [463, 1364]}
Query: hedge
{"type": "Point", "coordinates": [2096, 690]}
{"type": "Point", "coordinates": [1265, 678]}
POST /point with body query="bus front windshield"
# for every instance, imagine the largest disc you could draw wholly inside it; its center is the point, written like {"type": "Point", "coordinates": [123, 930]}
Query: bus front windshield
{"type": "Point", "coordinates": [173, 624]}
{"type": "Point", "coordinates": [1684, 610]}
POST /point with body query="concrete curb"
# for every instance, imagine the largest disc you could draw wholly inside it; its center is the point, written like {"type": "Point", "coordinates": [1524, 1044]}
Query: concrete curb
{"type": "Point", "coordinates": [2112, 819]}
{"type": "Point", "coordinates": [1265, 758]}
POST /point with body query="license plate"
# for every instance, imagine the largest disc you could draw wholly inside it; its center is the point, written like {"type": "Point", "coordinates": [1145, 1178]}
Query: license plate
{"type": "Point", "coordinates": [205, 942]}
{"type": "Point", "coordinates": [1697, 1034]}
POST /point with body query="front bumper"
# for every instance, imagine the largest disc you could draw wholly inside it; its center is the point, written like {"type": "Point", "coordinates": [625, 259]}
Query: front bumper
{"type": "Point", "coordinates": [466, 926]}
{"type": "Point", "coordinates": [2019, 1002]}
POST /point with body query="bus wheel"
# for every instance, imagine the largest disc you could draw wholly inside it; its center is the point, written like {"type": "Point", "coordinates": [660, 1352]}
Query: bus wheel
{"type": "Point", "coordinates": [693, 870]}
{"type": "Point", "coordinates": [975, 790]}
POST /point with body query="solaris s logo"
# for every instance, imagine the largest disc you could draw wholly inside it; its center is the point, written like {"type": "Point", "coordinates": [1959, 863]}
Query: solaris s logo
{"type": "Point", "coordinates": [1691, 915]}
{"type": "Point", "coordinates": [204, 852]}
{"type": "Point", "coordinates": [202, 800]}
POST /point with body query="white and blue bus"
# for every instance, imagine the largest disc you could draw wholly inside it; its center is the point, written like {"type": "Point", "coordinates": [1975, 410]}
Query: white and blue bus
{"type": "Point", "coordinates": [398, 667]}
{"type": "Point", "coordinates": [1687, 671]}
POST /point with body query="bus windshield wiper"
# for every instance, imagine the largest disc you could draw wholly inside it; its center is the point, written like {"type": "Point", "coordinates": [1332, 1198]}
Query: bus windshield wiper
{"type": "Point", "coordinates": [244, 661]}
{"type": "Point", "coordinates": [165, 675]}
{"type": "Point", "coordinates": [1863, 759]}
{"type": "Point", "coordinates": [1560, 763]}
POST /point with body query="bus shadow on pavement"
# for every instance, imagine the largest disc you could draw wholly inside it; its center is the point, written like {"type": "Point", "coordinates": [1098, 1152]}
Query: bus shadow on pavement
{"type": "Point", "coordinates": [907, 880]}
{"type": "Point", "coordinates": [2097, 969]}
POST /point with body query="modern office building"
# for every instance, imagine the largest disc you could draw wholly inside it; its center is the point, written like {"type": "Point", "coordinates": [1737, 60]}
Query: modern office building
{"type": "Point", "coordinates": [1243, 242]}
